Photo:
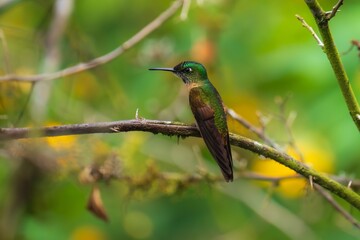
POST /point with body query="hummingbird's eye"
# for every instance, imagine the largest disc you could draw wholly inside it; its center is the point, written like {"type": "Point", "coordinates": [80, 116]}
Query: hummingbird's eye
{"type": "Point", "coordinates": [188, 69]}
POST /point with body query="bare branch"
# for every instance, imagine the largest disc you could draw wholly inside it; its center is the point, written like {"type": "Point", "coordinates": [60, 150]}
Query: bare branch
{"type": "Point", "coordinates": [185, 9]}
{"type": "Point", "coordinates": [336, 206]}
{"type": "Point", "coordinates": [184, 130]}
{"type": "Point", "coordinates": [332, 13]}
{"type": "Point", "coordinates": [157, 22]}
{"type": "Point", "coordinates": [288, 121]}
{"type": "Point", "coordinates": [251, 127]}
{"type": "Point", "coordinates": [154, 126]}
{"type": "Point", "coordinates": [274, 180]}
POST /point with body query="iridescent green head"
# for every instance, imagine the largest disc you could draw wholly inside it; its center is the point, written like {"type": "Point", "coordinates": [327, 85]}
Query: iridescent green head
{"type": "Point", "coordinates": [188, 71]}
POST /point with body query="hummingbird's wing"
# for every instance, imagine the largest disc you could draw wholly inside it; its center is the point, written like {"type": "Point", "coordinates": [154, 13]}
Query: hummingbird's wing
{"type": "Point", "coordinates": [216, 140]}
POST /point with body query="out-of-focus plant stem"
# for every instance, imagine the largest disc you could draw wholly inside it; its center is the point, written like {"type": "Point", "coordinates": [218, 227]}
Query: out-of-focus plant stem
{"type": "Point", "coordinates": [322, 19]}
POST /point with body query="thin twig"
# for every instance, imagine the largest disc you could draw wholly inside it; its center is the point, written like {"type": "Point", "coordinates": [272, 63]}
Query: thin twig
{"type": "Point", "coordinates": [288, 121]}
{"type": "Point", "coordinates": [157, 22]}
{"type": "Point", "coordinates": [332, 13]}
{"type": "Point", "coordinates": [204, 176]}
{"type": "Point", "coordinates": [260, 177]}
{"type": "Point", "coordinates": [263, 120]}
{"type": "Point", "coordinates": [24, 106]}
{"type": "Point", "coordinates": [353, 43]}
{"type": "Point", "coordinates": [335, 205]}
{"type": "Point", "coordinates": [311, 30]}
{"type": "Point", "coordinates": [290, 224]}
{"type": "Point", "coordinates": [185, 9]}
{"type": "Point", "coordinates": [311, 182]}
{"type": "Point", "coordinates": [184, 130]}
{"type": "Point", "coordinates": [251, 128]}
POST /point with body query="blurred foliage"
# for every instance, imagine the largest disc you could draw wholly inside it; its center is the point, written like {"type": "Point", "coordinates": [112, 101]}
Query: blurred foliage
{"type": "Point", "coordinates": [255, 52]}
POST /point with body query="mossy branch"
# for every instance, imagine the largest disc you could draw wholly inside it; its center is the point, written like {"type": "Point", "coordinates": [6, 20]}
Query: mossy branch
{"type": "Point", "coordinates": [322, 19]}
{"type": "Point", "coordinates": [184, 130]}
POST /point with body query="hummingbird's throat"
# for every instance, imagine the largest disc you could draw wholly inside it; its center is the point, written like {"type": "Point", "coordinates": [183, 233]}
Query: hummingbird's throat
{"type": "Point", "coordinates": [192, 85]}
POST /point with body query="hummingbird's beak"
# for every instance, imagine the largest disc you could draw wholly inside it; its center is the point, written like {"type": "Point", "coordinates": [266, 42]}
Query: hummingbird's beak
{"type": "Point", "coordinates": [163, 69]}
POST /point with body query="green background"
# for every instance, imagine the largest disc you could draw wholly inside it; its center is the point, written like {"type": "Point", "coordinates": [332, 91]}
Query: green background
{"type": "Point", "coordinates": [255, 52]}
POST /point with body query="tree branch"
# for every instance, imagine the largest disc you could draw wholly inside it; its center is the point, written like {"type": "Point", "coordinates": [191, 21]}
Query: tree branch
{"type": "Point", "coordinates": [336, 206]}
{"type": "Point", "coordinates": [258, 131]}
{"type": "Point", "coordinates": [183, 130]}
{"type": "Point", "coordinates": [276, 180]}
{"type": "Point", "coordinates": [322, 19]}
{"type": "Point", "coordinates": [335, 9]}
{"type": "Point", "coordinates": [165, 127]}
{"type": "Point", "coordinates": [157, 22]}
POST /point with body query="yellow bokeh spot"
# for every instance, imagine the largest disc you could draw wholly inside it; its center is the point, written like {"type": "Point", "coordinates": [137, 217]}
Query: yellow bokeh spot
{"type": "Point", "coordinates": [246, 106]}
{"type": "Point", "coordinates": [138, 225]}
{"type": "Point", "coordinates": [88, 233]}
{"type": "Point", "coordinates": [64, 149]}
{"type": "Point", "coordinates": [320, 159]}
{"type": "Point", "coordinates": [61, 143]}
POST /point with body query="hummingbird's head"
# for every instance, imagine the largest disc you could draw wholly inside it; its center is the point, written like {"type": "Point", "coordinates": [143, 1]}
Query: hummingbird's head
{"type": "Point", "coordinates": [188, 71]}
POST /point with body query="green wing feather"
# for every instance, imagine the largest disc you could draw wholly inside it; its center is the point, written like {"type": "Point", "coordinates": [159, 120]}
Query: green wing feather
{"type": "Point", "coordinates": [216, 137]}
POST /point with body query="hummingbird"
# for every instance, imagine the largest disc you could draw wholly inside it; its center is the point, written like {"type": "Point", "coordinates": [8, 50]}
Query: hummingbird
{"type": "Point", "coordinates": [208, 110]}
